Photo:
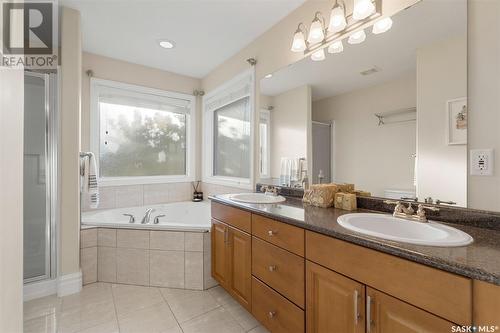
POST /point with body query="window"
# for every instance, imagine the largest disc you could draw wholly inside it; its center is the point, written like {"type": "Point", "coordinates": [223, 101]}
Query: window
{"type": "Point", "coordinates": [228, 133]}
{"type": "Point", "coordinates": [141, 135]}
{"type": "Point", "coordinates": [265, 143]}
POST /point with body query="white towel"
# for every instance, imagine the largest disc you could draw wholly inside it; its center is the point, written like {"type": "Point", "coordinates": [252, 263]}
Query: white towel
{"type": "Point", "coordinates": [286, 171]}
{"type": "Point", "coordinates": [90, 181]}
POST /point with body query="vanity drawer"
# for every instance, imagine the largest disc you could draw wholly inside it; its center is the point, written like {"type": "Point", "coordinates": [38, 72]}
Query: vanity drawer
{"type": "Point", "coordinates": [444, 294]}
{"type": "Point", "coordinates": [280, 269]}
{"type": "Point", "coordinates": [274, 311]}
{"type": "Point", "coordinates": [278, 233]}
{"type": "Point", "coordinates": [233, 216]}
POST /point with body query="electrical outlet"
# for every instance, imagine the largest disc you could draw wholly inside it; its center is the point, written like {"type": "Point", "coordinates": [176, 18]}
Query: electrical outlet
{"type": "Point", "coordinates": [481, 162]}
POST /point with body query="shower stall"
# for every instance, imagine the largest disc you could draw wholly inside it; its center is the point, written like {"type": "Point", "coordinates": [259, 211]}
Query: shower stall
{"type": "Point", "coordinates": [40, 176]}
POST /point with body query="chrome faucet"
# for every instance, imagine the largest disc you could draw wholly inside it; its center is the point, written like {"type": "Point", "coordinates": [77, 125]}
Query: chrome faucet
{"type": "Point", "coordinates": [147, 216]}
{"type": "Point", "coordinates": [407, 213]}
{"type": "Point", "coordinates": [269, 190]}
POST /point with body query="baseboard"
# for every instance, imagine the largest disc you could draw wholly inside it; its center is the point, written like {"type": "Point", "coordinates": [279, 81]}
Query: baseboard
{"type": "Point", "coordinates": [39, 289]}
{"type": "Point", "coordinates": [69, 284]}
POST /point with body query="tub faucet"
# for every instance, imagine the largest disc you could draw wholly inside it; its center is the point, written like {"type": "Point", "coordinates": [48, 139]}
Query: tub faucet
{"type": "Point", "coordinates": [147, 216]}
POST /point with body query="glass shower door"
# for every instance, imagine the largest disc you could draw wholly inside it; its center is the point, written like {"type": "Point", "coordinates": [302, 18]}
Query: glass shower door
{"type": "Point", "coordinates": [38, 226]}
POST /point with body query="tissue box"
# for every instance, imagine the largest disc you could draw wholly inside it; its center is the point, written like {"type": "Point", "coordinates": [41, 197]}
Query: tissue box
{"type": "Point", "coordinates": [321, 195]}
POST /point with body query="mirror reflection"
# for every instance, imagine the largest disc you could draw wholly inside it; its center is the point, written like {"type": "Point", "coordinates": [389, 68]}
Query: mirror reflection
{"type": "Point", "coordinates": [388, 114]}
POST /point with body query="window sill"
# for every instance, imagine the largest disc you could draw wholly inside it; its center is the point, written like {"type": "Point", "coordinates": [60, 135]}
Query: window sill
{"type": "Point", "coordinates": [245, 184]}
{"type": "Point", "coordinates": [118, 181]}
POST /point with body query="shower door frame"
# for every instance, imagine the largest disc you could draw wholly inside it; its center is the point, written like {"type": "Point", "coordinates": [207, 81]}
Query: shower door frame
{"type": "Point", "coordinates": [51, 98]}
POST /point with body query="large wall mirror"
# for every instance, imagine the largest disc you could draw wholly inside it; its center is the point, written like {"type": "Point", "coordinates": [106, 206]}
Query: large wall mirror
{"type": "Point", "coordinates": [388, 114]}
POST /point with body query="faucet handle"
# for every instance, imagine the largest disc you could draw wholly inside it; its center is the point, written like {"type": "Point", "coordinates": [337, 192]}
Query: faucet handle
{"type": "Point", "coordinates": [156, 220]}
{"type": "Point", "coordinates": [423, 207]}
{"type": "Point", "coordinates": [131, 218]}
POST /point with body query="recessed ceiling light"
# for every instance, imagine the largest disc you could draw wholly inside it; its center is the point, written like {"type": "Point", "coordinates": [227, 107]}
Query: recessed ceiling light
{"type": "Point", "coordinates": [268, 76]}
{"type": "Point", "coordinates": [166, 44]}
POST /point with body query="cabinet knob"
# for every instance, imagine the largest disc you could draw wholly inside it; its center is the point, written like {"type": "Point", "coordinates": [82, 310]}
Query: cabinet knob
{"type": "Point", "coordinates": [271, 233]}
{"type": "Point", "coordinates": [272, 314]}
{"type": "Point", "coordinates": [272, 268]}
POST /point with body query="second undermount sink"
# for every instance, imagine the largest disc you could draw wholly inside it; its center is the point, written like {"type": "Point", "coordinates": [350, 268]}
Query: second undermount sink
{"type": "Point", "coordinates": [400, 230]}
{"type": "Point", "coordinates": [257, 198]}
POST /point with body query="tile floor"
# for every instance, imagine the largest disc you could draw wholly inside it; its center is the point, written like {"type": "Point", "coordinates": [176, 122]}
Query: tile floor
{"type": "Point", "coordinates": [110, 308]}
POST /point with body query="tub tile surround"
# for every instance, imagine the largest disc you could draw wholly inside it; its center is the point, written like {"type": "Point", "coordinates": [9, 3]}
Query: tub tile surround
{"type": "Point", "coordinates": [146, 257]}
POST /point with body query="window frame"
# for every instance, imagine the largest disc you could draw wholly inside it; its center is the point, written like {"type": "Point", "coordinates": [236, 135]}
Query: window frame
{"type": "Point", "coordinates": [98, 85]}
{"type": "Point", "coordinates": [227, 89]}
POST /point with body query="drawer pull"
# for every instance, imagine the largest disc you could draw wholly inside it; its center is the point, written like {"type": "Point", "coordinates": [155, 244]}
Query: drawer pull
{"type": "Point", "coordinates": [272, 314]}
{"type": "Point", "coordinates": [271, 233]}
{"type": "Point", "coordinates": [272, 268]}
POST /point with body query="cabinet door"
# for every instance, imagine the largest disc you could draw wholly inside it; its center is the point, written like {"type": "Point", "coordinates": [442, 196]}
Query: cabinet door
{"type": "Point", "coordinates": [334, 303]}
{"type": "Point", "coordinates": [240, 263]}
{"type": "Point", "coordinates": [220, 262]}
{"type": "Point", "coordinates": [386, 314]}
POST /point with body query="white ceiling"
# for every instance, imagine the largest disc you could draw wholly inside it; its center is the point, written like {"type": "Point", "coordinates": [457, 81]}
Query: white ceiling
{"type": "Point", "coordinates": [394, 52]}
{"type": "Point", "coordinates": [206, 32]}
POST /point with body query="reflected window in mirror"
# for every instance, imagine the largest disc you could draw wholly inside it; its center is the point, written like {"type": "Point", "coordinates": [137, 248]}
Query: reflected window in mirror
{"type": "Point", "coordinates": [265, 144]}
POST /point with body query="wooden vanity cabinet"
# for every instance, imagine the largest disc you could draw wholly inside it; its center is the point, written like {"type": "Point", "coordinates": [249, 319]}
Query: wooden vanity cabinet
{"type": "Point", "coordinates": [386, 314]}
{"type": "Point", "coordinates": [231, 261]}
{"type": "Point", "coordinates": [335, 303]}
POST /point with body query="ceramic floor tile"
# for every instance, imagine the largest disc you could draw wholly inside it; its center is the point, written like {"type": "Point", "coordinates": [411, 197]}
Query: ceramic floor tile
{"type": "Point", "coordinates": [215, 321]}
{"type": "Point", "coordinates": [86, 316]}
{"type": "Point", "coordinates": [259, 329]}
{"type": "Point", "coordinates": [238, 312]}
{"type": "Point", "coordinates": [41, 307]}
{"type": "Point", "coordinates": [109, 327]}
{"type": "Point", "coordinates": [132, 298]}
{"type": "Point", "coordinates": [90, 294]}
{"type": "Point", "coordinates": [156, 318]}
{"type": "Point", "coordinates": [43, 324]}
{"type": "Point", "coordinates": [187, 304]}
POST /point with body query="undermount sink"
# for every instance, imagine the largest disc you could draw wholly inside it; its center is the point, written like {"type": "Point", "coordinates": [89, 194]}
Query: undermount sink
{"type": "Point", "coordinates": [400, 230]}
{"type": "Point", "coordinates": [257, 198]}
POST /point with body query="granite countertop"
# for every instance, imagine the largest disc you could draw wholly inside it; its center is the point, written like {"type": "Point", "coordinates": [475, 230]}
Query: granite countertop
{"type": "Point", "coordinates": [479, 260]}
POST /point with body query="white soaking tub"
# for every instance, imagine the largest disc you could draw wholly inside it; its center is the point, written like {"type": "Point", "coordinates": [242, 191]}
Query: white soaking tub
{"type": "Point", "coordinates": [179, 216]}
{"type": "Point", "coordinates": [175, 253]}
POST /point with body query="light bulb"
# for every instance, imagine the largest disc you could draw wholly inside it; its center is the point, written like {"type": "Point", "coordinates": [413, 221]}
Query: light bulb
{"type": "Point", "coordinates": [299, 43]}
{"type": "Point", "coordinates": [318, 55]}
{"type": "Point", "coordinates": [382, 25]}
{"type": "Point", "coordinates": [362, 9]}
{"type": "Point", "coordinates": [316, 33]}
{"type": "Point", "coordinates": [337, 19]}
{"type": "Point", "coordinates": [336, 47]}
{"type": "Point", "coordinates": [357, 37]}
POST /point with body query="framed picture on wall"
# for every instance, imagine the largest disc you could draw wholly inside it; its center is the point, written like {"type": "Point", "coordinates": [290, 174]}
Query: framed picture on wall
{"type": "Point", "coordinates": [456, 120]}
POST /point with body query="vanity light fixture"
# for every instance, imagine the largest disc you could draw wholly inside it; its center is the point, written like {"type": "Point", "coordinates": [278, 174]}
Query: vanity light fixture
{"type": "Point", "coordinates": [166, 44]}
{"type": "Point", "coordinates": [357, 38]}
{"type": "Point", "coordinates": [317, 30]}
{"type": "Point", "coordinates": [362, 9]}
{"type": "Point", "coordinates": [318, 55]}
{"type": "Point", "coordinates": [336, 47]}
{"type": "Point", "coordinates": [299, 41]}
{"type": "Point", "coordinates": [382, 25]}
{"type": "Point", "coordinates": [338, 21]}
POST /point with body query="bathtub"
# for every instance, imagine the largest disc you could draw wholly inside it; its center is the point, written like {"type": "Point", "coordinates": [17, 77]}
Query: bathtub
{"type": "Point", "coordinates": [179, 216]}
{"type": "Point", "coordinates": [175, 253]}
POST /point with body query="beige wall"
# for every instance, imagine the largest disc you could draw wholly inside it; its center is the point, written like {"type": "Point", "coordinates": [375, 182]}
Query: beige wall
{"type": "Point", "coordinates": [441, 76]}
{"type": "Point", "coordinates": [11, 200]}
{"type": "Point", "coordinates": [373, 157]}
{"type": "Point", "coordinates": [484, 101]}
{"type": "Point", "coordinates": [289, 119]}
{"type": "Point", "coordinates": [71, 64]}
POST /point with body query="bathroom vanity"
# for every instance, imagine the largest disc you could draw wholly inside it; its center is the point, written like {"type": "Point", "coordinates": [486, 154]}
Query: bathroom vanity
{"type": "Point", "coordinates": [296, 269]}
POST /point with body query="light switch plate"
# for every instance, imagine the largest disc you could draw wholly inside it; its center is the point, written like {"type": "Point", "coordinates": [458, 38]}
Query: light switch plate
{"type": "Point", "coordinates": [481, 162]}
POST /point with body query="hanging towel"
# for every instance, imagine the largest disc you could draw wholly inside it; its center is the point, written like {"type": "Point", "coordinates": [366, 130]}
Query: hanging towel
{"type": "Point", "coordinates": [285, 171]}
{"type": "Point", "coordinates": [90, 180]}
